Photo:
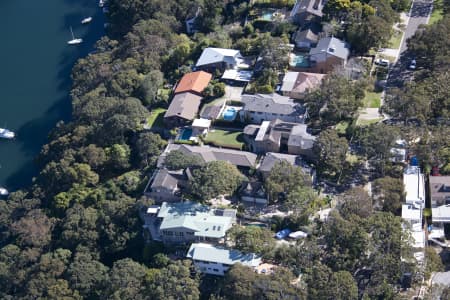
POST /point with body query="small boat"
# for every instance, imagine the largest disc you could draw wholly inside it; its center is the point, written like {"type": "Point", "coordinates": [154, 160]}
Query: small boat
{"type": "Point", "coordinates": [3, 192]}
{"type": "Point", "coordinates": [6, 134]}
{"type": "Point", "coordinates": [74, 41]}
{"type": "Point", "coordinates": [101, 3]}
{"type": "Point", "coordinates": [86, 20]}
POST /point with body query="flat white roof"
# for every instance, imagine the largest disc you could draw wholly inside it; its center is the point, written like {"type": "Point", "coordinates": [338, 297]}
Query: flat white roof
{"type": "Point", "coordinates": [410, 213]}
{"type": "Point", "coordinates": [153, 209]}
{"type": "Point", "coordinates": [203, 123]}
{"type": "Point", "coordinates": [289, 81]}
{"type": "Point", "coordinates": [238, 75]}
{"type": "Point", "coordinates": [262, 130]}
{"type": "Point", "coordinates": [441, 214]}
{"type": "Point", "coordinates": [414, 185]}
{"type": "Point", "coordinates": [418, 239]}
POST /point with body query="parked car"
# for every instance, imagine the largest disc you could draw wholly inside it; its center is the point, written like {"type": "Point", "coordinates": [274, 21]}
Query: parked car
{"type": "Point", "coordinates": [412, 65]}
{"type": "Point", "coordinates": [298, 234]}
{"type": "Point", "coordinates": [382, 62]}
{"type": "Point", "coordinates": [282, 234]}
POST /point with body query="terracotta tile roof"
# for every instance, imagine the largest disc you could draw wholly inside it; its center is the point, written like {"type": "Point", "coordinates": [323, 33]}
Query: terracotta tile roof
{"type": "Point", "coordinates": [193, 82]}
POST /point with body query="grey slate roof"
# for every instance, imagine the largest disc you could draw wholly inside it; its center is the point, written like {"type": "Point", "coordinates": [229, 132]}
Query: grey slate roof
{"type": "Point", "coordinates": [164, 179]}
{"type": "Point", "coordinates": [272, 103]}
{"type": "Point", "coordinates": [271, 158]}
{"type": "Point", "coordinates": [305, 35]}
{"type": "Point", "coordinates": [300, 137]}
{"type": "Point", "coordinates": [251, 129]}
{"type": "Point", "coordinates": [313, 7]}
{"type": "Point", "coordinates": [210, 253]}
{"type": "Point", "coordinates": [253, 188]}
{"type": "Point", "coordinates": [207, 154]}
{"type": "Point", "coordinates": [332, 46]}
{"type": "Point", "coordinates": [184, 105]}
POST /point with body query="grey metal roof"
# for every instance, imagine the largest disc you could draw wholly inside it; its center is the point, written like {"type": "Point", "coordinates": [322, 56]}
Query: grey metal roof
{"type": "Point", "coordinates": [300, 137]}
{"type": "Point", "coordinates": [441, 278]}
{"type": "Point", "coordinates": [207, 154]}
{"type": "Point", "coordinates": [217, 55]}
{"type": "Point", "coordinates": [184, 105]}
{"type": "Point", "coordinates": [164, 179]}
{"type": "Point", "coordinates": [210, 253]}
{"type": "Point", "coordinates": [272, 103]}
{"type": "Point", "coordinates": [331, 46]}
{"type": "Point", "coordinates": [196, 217]}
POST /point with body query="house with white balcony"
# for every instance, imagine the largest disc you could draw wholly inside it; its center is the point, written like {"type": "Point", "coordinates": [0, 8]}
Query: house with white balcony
{"type": "Point", "coordinates": [412, 209]}
{"type": "Point", "coordinates": [185, 222]}
{"type": "Point", "coordinates": [216, 260]}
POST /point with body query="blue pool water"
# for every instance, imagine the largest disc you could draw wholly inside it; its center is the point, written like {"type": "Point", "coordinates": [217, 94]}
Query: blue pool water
{"type": "Point", "coordinates": [299, 60]}
{"type": "Point", "coordinates": [229, 114]}
{"type": "Point", "coordinates": [186, 134]}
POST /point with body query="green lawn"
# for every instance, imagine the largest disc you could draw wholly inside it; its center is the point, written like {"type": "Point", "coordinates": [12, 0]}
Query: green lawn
{"type": "Point", "coordinates": [372, 100]}
{"type": "Point", "coordinates": [156, 118]}
{"type": "Point", "coordinates": [367, 122]}
{"type": "Point", "coordinates": [437, 13]}
{"type": "Point", "coordinates": [223, 138]}
{"type": "Point", "coordinates": [341, 127]}
{"type": "Point", "coordinates": [396, 38]}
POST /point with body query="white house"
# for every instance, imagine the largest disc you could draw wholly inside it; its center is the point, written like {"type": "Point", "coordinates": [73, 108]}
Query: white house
{"type": "Point", "coordinates": [268, 107]}
{"type": "Point", "coordinates": [412, 210]}
{"type": "Point", "coordinates": [214, 260]}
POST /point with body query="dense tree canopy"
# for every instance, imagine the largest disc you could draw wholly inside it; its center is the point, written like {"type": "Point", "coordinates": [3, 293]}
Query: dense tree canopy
{"type": "Point", "coordinates": [215, 178]}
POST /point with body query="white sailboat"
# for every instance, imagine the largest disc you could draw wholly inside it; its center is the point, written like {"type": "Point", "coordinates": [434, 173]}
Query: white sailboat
{"type": "Point", "coordinates": [86, 20]}
{"type": "Point", "coordinates": [6, 134]}
{"type": "Point", "coordinates": [3, 191]}
{"type": "Point", "coordinates": [74, 41]}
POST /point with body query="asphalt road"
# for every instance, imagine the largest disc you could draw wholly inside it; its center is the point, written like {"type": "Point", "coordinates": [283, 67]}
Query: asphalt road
{"type": "Point", "coordinates": [418, 15]}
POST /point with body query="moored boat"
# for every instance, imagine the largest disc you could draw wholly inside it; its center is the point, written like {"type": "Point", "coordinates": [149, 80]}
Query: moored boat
{"type": "Point", "coordinates": [6, 134]}
{"type": "Point", "coordinates": [74, 41]}
{"type": "Point", "coordinates": [3, 192]}
{"type": "Point", "coordinates": [86, 20]}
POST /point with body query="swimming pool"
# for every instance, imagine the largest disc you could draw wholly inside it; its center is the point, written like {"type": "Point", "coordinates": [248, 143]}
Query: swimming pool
{"type": "Point", "coordinates": [229, 114]}
{"type": "Point", "coordinates": [185, 134]}
{"type": "Point", "coordinates": [299, 61]}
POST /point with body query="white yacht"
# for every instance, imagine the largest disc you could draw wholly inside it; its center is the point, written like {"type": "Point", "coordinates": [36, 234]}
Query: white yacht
{"type": "Point", "coordinates": [3, 192]}
{"type": "Point", "coordinates": [6, 134]}
{"type": "Point", "coordinates": [86, 20]}
{"type": "Point", "coordinates": [74, 41]}
{"type": "Point", "coordinates": [101, 3]}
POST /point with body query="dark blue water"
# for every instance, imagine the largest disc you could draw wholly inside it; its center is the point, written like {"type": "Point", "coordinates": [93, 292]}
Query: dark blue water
{"type": "Point", "coordinates": [35, 75]}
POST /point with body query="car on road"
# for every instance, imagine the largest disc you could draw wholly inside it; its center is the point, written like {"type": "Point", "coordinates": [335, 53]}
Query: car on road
{"type": "Point", "coordinates": [382, 62]}
{"type": "Point", "coordinates": [282, 234]}
{"type": "Point", "coordinates": [412, 65]}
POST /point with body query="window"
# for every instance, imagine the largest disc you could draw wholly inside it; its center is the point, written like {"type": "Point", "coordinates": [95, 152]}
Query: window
{"type": "Point", "coordinates": [216, 270]}
{"type": "Point", "coordinates": [260, 113]}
